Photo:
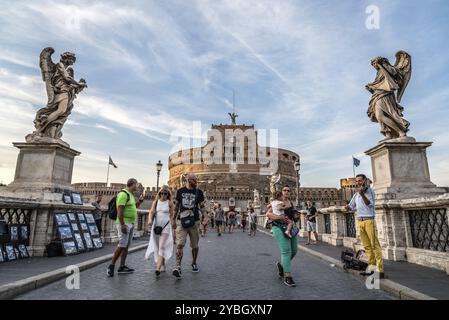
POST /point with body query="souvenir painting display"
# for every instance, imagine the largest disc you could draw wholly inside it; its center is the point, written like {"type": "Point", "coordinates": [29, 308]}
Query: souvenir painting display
{"type": "Point", "coordinates": [89, 218]}
{"type": "Point", "coordinates": [69, 247]}
{"type": "Point", "coordinates": [24, 234]}
{"type": "Point", "coordinates": [88, 240]}
{"type": "Point", "coordinates": [97, 242]}
{"type": "Point", "coordinates": [23, 251]}
{"type": "Point", "coordinates": [65, 232]}
{"type": "Point", "coordinates": [64, 229]}
{"type": "Point", "coordinates": [66, 198]}
{"type": "Point", "coordinates": [76, 198]}
{"type": "Point", "coordinates": [14, 232]}
{"type": "Point", "coordinates": [79, 242]}
{"type": "Point", "coordinates": [93, 230]}
{"type": "Point", "coordinates": [10, 252]}
{"type": "Point", "coordinates": [61, 219]}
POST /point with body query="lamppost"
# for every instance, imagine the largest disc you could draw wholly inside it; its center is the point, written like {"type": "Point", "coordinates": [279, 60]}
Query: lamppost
{"type": "Point", "coordinates": [158, 169]}
{"type": "Point", "coordinates": [297, 166]}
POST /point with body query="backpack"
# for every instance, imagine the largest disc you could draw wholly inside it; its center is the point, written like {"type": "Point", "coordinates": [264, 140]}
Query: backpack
{"type": "Point", "coordinates": [112, 206]}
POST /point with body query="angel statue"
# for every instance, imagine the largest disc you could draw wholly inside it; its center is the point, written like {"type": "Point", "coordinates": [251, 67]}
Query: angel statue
{"type": "Point", "coordinates": [233, 117]}
{"type": "Point", "coordinates": [384, 106]}
{"type": "Point", "coordinates": [274, 180]}
{"type": "Point", "coordinates": [62, 89]}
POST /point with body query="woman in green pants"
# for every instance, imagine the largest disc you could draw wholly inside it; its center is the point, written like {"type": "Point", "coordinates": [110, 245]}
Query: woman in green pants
{"type": "Point", "coordinates": [288, 247]}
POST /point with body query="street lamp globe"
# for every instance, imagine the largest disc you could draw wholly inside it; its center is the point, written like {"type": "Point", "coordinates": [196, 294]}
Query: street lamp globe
{"type": "Point", "coordinates": [159, 166]}
{"type": "Point", "coordinates": [297, 165]}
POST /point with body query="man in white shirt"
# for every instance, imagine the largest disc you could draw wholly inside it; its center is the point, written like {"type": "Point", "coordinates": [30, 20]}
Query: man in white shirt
{"type": "Point", "coordinates": [363, 202]}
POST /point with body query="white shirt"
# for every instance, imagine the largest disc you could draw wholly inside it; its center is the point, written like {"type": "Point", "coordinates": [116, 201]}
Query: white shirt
{"type": "Point", "coordinates": [275, 204]}
{"type": "Point", "coordinates": [363, 210]}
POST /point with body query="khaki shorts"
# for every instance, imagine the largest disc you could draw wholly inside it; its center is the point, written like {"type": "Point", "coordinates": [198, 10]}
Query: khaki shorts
{"type": "Point", "coordinates": [193, 232]}
{"type": "Point", "coordinates": [125, 239]}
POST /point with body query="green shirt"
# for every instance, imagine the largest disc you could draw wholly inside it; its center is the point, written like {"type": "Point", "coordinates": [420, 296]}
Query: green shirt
{"type": "Point", "coordinates": [129, 210]}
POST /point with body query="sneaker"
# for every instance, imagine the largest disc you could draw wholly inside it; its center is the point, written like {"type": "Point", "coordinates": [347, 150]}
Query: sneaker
{"type": "Point", "coordinates": [124, 269]}
{"type": "Point", "coordinates": [177, 273]}
{"type": "Point", "coordinates": [157, 272]}
{"type": "Point", "coordinates": [280, 269]}
{"type": "Point", "coordinates": [110, 270]}
{"type": "Point", "coordinates": [288, 281]}
{"type": "Point", "coordinates": [195, 267]}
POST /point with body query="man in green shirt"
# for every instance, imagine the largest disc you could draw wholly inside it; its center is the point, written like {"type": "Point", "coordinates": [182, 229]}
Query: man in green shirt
{"type": "Point", "coordinates": [126, 218]}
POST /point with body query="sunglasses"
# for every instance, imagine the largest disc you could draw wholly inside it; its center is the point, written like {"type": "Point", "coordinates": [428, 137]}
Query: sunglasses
{"type": "Point", "coordinates": [164, 194]}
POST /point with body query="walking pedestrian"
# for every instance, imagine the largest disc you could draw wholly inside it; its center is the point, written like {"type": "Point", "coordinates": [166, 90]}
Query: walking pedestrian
{"type": "Point", "coordinates": [219, 219]}
{"type": "Point", "coordinates": [311, 222]}
{"type": "Point", "coordinates": [161, 221]}
{"type": "Point", "coordinates": [189, 202]}
{"type": "Point", "coordinates": [231, 220]}
{"type": "Point", "coordinates": [244, 220]}
{"type": "Point", "coordinates": [126, 219]}
{"type": "Point", "coordinates": [288, 247]}
{"type": "Point", "coordinates": [253, 222]}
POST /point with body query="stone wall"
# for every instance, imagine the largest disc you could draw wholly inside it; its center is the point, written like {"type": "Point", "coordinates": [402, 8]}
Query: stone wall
{"type": "Point", "coordinates": [40, 217]}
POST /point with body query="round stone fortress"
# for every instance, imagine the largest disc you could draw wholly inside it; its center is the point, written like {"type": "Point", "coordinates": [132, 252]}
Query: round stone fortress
{"type": "Point", "coordinates": [232, 167]}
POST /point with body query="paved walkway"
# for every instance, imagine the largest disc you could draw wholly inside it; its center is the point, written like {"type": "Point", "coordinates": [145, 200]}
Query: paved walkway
{"type": "Point", "coordinates": [234, 266]}
{"type": "Point", "coordinates": [432, 282]}
{"type": "Point", "coordinates": [24, 268]}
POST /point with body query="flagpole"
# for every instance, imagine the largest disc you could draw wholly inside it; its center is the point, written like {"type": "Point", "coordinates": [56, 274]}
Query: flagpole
{"type": "Point", "coordinates": [107, 178]}
{"type": "Point", "coordinates": [353, 167]}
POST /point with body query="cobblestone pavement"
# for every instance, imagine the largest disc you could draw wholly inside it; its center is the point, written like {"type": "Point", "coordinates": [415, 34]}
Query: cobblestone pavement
{"type": "Point", "coordinates": [233, 266]}
{"type": "Point", "coordinates": [24, 268]}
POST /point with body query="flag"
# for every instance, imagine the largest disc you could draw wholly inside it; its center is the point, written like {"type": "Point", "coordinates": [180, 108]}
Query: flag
{"type": "Point", "coordinates": [112, 162]}
{"type": "Point", "coordinates": [355, 161]}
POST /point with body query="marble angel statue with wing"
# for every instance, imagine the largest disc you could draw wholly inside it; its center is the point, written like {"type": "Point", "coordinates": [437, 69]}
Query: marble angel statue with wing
{"type": "Point", "coordinates": [387, 90]}
{"type": "Point", "coordinates": [62, 89]}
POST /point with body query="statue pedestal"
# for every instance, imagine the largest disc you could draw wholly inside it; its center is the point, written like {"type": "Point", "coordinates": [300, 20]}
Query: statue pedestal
{"type": "Point", "coordinates": [43, 168]}
{"type": "Point", "coordinates": [400, 169]}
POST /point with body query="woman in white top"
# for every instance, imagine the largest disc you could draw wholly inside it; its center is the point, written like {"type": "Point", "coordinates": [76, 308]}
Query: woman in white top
{"type": "Point", "coordinates": [161, 215]}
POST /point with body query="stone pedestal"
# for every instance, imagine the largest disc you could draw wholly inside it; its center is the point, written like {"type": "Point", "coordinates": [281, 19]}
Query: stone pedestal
{"type": "Point", "coordinates": [400, 169]}
{"type": "Point", "coordinates": [43, 169]}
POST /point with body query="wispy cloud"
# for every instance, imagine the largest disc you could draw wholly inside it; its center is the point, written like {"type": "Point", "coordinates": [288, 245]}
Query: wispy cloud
{"type": "Point", "coordinates": [155, 67]}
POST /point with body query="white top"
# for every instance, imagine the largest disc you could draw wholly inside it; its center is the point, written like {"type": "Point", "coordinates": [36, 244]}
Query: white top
{"type": "Point", "coordinates": [275, 204]}
{"type": "Point", "coordinates": [162, 213]}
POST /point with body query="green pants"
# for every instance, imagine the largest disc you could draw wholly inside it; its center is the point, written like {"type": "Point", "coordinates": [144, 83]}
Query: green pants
{"type": "Point", "coordinates": [288, 247]}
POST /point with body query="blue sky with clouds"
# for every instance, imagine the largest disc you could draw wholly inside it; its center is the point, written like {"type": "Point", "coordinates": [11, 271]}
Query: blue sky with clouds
{"type": "Point", "coordinates": [153, 67]}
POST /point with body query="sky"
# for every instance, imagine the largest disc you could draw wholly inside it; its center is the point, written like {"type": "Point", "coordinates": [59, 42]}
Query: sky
{"type": "Point", "coordinates": [153, 68]}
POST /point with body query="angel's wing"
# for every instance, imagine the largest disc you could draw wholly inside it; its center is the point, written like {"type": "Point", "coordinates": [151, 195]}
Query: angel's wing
{"type": "Point", "coordinates": [48, 69]}
{"type": "Point", "coordinates": [404, 67]}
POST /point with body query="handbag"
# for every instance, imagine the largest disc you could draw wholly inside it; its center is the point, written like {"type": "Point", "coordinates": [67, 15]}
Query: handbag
{"type": "Point", "coordinates": [187, 218]}
{"type": "Point", "coordinates": [158, 229]}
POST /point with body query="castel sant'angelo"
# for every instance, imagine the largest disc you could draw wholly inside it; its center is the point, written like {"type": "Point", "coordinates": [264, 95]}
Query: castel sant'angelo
{"type": "Point", "coordinates": [232, 167]}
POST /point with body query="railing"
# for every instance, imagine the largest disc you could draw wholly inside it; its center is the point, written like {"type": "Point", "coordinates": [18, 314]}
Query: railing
{"type": "Point", "coordinates": [351, 231]}
{"type": "Point", "coordinates": [327, 224]}
{"type": "Point", "coordinates": [429, 229]}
